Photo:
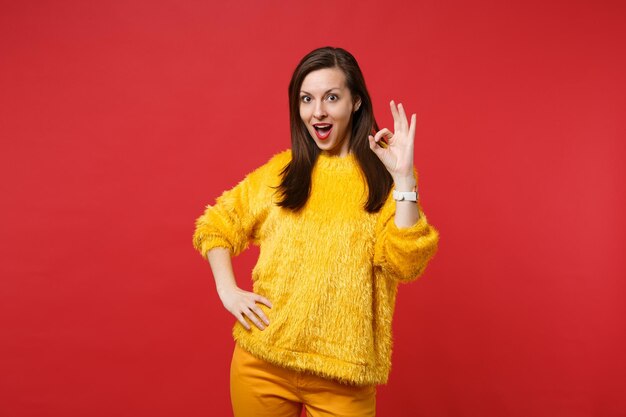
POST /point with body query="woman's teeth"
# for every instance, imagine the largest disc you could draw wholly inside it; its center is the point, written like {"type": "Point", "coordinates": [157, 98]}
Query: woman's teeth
{"type": "Point", "coordinates": [322, 132]}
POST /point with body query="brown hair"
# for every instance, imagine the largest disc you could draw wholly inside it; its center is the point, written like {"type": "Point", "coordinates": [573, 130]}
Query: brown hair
{"type": "Point", "coordinates": [295, 186]}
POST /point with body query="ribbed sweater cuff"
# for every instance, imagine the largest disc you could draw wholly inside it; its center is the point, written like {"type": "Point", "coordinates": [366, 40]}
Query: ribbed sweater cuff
{"type": "Point", "coordinates": [214, 242]}
{"type": "Point", "coordinates": [420, 228]}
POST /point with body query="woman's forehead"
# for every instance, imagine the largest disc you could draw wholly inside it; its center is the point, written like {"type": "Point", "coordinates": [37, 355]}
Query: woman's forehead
{"type": "Point", "coordinates": [322, 80]}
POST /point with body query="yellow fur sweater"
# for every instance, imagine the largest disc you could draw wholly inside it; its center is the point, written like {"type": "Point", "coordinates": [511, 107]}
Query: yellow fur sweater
{"type": "Point", "coordinates": [330, 271]}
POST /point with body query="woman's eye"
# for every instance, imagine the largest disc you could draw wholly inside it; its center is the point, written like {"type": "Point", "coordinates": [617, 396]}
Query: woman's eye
{"type": "Point", "coordinates": [332, 97]}
{"type": "Point", "coordinates": [306, 99]}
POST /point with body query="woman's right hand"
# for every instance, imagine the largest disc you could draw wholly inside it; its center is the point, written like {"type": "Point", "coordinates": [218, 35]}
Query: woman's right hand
{"type": "Point", "coordinates": [242, 303]}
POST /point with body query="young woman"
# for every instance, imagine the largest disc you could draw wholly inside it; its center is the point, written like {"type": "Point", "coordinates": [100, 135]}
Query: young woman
{"type": "Point", "coordinates": [339, 225]}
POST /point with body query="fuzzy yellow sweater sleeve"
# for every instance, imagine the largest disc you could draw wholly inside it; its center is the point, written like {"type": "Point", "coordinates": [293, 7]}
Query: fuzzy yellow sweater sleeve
{"type": "Point", "coordinates": [331, 270]}
{"type": "Point", "coordinates": [403, 253]}
{"type": "Point", "coordinates": [232, 221]}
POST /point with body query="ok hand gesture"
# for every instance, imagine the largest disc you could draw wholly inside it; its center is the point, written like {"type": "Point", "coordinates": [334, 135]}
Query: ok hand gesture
{"type": "Point", "coordinates": [396, 149]}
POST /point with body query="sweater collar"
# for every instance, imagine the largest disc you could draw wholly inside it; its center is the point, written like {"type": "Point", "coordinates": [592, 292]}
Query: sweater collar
{"type": "Point", "coordinates": [331, 162]}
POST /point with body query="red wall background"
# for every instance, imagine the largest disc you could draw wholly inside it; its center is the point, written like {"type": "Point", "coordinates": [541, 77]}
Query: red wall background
{"type": "Point", "coordinates": [121, 120]}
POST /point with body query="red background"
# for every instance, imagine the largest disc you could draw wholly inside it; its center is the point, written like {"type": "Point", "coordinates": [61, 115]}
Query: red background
{"type": "Point", "coordinates": [121, 120]}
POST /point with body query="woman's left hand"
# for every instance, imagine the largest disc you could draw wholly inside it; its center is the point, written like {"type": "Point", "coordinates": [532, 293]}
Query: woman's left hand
{"type": "Point", "coordinates": [397, 156]}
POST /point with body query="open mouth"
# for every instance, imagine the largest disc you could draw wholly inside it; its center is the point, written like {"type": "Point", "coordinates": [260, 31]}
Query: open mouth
{"type": "Point", "coordinates": [322, 130]}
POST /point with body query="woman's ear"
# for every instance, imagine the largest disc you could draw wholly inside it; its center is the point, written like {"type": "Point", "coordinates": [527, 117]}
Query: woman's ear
{"type": "Point", "coordinates": [357, 105]}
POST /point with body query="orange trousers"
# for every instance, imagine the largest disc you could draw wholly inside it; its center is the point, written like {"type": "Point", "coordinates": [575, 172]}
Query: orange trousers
{"type": "Point", "coordinates": [261, 389]}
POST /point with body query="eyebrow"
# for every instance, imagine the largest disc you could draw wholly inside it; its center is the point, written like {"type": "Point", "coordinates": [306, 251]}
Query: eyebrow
{"type": "Point", "coordinates": [327, 91]}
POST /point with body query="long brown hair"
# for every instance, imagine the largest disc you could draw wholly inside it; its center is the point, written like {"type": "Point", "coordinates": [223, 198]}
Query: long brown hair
{"type": "Point", "coordinates": [295, 186]}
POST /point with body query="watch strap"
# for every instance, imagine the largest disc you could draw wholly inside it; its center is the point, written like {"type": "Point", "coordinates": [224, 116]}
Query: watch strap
{"type": "Point", "coordinates": [406, 195]}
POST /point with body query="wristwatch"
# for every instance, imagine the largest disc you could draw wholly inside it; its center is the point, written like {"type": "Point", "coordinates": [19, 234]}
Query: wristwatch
{"type": "Point", "coordinates": [406, 195]}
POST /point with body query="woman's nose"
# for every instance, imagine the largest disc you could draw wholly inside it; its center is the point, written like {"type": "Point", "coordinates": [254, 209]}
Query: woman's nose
{"type": "Point", "coordinates": [319, 112]}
